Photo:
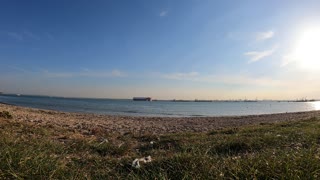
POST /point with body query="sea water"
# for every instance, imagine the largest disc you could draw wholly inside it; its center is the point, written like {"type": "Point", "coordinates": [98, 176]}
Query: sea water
{"type": "Point", "coordinates": [158, 108]}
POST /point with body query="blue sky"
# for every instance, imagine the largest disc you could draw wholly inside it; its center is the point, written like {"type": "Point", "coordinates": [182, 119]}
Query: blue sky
{"type": "Point", "coordinates": [184, 49]}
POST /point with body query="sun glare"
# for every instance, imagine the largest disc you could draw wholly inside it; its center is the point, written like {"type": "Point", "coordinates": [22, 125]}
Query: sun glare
{"type": "Point", "coordinates": [307, 49]}
{"type": "Point", "coordinates": [316, 105]}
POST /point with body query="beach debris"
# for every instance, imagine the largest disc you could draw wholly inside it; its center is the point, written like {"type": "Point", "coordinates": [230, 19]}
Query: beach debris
{"type": "Point", "coordinates": [147, 159]}
{"type": "Point", "coordinates": [151, 142]}
{"type": "Point", "coordinates": [136, 162]}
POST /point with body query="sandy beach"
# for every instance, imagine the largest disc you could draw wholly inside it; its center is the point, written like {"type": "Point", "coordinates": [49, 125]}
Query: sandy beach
{"type": "Point", "coordinates": [93, 123]}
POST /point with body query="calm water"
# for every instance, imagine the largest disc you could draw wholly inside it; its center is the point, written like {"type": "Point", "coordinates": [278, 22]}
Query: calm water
{"type": "Point", "coordinates": [158, 108]}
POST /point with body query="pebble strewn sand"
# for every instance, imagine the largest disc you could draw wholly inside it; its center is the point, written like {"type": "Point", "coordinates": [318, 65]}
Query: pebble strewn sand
{"type": "Point", "coordinates": [88, 123]}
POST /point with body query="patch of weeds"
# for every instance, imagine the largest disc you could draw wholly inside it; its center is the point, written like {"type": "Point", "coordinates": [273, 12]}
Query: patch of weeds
{"type": "Point", "coordinates": [266, 123]}
{"type": "Point", "coordinates": [286, 125]}
{"type": "Point", "coordinates": [6, 115]}
{"type": "Point", "coordinates": [230, 131]}
{"type": "Point", "coordinates": [109, 149]}
{"type": "Point", "coordinates": [180, 166]}
{"type": "Point", "coordinates": [313, 119]}
{"type": "Point", "coordinates": [169, 144]}
{"type": "Point", "coordinates": [47, 112]}
{"type": "Point", "coordinates": [213, 132]}
{"type": "Point", "coordinates": [318, 140]}
{"type": "Point", "coordinates": [148, 138]}
{"type": "Point", "coordinates": [224, 131]}
{"type": "Point", "coordinates": [231, 147]}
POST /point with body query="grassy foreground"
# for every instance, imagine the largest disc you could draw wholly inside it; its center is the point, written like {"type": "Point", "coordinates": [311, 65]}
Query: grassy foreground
{"type": "Point", "coordinates": [265, 151]}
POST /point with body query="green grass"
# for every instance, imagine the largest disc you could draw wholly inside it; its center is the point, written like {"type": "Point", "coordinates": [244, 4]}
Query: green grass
{"type": "Point", "coordinates": [288, 150]}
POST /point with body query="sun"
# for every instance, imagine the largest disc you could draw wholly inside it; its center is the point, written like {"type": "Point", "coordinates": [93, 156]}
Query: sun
{"type": "Point", "coordinates": [307, 49]}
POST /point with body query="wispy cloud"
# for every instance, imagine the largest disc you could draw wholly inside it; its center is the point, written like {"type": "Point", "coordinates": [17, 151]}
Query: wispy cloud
{"type": "Point", "coordinates": [15, 35]}
{"type": "Point", "coordinates": [24, 35]}
{"type": "Point", "coordinates": [261, 36]}
{"type": "Point", "coordinates": [87, 73]}
{"type": "Point", "coordinates": [247, 80]}
{"type": "Point", "coordinates": [288, 59]}
{"type": "Point", "coordinates": [224, 79]}
{"type": "Point", "coordinates": [117, 73]}
{"type": "Point", "coordinates": [180, 76]}
{"type": "Point", "coordinates": [258, 55]}
{"type": "Point", "coordinates": [30, 35]}
{"type": "Point", "coordinates": [163, 13]}
{"type": "Point", "coordinates": [16, 68]}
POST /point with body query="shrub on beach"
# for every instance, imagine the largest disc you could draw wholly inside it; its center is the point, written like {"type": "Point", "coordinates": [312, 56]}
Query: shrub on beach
{"type": "Point", "coordinates": [6, 115]}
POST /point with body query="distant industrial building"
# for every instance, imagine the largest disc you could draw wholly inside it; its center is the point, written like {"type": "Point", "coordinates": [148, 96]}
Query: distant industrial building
{"type": "Point", "coordinates": [142, 99]}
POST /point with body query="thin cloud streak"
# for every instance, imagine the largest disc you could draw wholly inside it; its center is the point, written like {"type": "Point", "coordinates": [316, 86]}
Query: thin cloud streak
{"type": "Point", "coordinates": [163, 13]}
{"type": "Point", "coordinates": [180, 76]}
{"type": "Point", "coordinates": [258, 55]}
{"type": "Point", "coordinates": [84, 73]}
{"type": "Point", "coordinates": [30, 35]}
{"type": "Point", "coordinates": [261, 36]}
{"type": "Point", "coordinates": [20, 36]}
{"type": "Point", "coordinates": [19, 69]}
{"type": "Point", "coordinates": [223, 79]}
{"type": "Point", "coordinates": [15, 35]}
{"type": "Point", "coordinates": [113, 73]}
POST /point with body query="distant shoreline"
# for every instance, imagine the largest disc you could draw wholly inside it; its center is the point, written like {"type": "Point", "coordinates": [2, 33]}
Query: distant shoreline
{"type": "Point", "coordinates": [7, 104]}
{"type": "Point", "coordinates": [173, 100]}
{"type": "Point", "coordinates": [87, 123]}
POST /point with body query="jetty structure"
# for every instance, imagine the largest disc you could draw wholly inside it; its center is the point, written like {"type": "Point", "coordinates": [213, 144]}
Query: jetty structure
{"type": "Point", "coordinates": [142, 98]}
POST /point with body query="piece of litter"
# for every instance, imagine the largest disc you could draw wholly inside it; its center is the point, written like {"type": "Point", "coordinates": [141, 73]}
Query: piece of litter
{"type": "Point", "coordinates": [136, 163]}
{"type": "Point", "coordinates": [148, 159]}
{"type": "Point", "coordinates": [151, 142]}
